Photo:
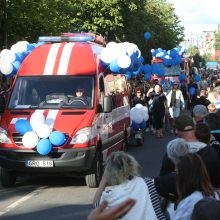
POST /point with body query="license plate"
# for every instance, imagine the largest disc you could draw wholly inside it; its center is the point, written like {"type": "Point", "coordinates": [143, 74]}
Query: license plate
{"type": "Point", "coordinates": [39, 163]}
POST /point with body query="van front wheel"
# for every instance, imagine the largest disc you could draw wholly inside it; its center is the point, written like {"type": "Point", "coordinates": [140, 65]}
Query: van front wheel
{"type": "Point", "coordinates": [93, 179]}
{"type": "Point", "coordinates": [8, 178]}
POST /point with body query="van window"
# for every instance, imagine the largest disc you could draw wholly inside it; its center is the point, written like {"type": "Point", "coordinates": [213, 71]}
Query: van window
{"type": "Point", "coordinates": [38, 92]}
{"type": "Point", "coordinates": [117, 87]}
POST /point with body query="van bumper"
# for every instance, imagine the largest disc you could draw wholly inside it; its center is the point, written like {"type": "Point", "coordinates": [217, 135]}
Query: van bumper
{"type": "Point", "coordinates": [67, 160]}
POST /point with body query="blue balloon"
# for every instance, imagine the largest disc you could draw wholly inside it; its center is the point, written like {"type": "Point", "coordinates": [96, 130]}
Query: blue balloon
{"type": "Point", "coordinates": [22, 126]}
{"type": "Point", "coordinates": [128, 75]}
{"type": "Point", "coordinates": [197, 78]}
{"type": "Point", "coordinates": [26, 53]}
{"type": "Point", "coordinates": [135, 73]}
{"type": "Point", "coordinates": [147, 68]}
{"type": "Point", "coordinates": [161, 71]}
{"type": "Point", "coordinates": [135, 126]}
{"type": "Point", "coordinates": [30, 47]}
{"type": "Point", "coordinates": [16, 65]}
{"type": "Point", "coordinates": [192, 91]}
{"type": "Point", "coordinates": [57, 138]}
{"type": "Point", "coordinates": [19, 57]}
{"type": "Point", "coordinates": [182, 77]}
{"type": "Point", "coordinates": [147, 76]}
{"type": "Point", "coordinates": [154, 52]}
{"type": "Point", "coordinates": [44, 147]}
{"type": "Point", "coordinates": [141, 59]}
{"type": "Point", "coordinates": [143, 125]}
{"type": "Point", "coordinates": [173, 53]}
{"type": "Point", "coordinates": [147, 35]}
{"type": "Point", "coordinates": [178, 60]}
{"type": "Point", "coordinates": [114, 66]}
{"type": "Point", "coordinates": [155, 68]}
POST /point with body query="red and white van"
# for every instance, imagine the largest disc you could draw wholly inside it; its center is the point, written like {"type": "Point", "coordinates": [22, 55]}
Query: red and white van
{"type": "Point", "coordinates": [46, 82]}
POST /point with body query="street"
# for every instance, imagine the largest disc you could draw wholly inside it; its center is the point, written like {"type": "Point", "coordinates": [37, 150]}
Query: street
{"type": "Point", "coordinates": [40, 197]}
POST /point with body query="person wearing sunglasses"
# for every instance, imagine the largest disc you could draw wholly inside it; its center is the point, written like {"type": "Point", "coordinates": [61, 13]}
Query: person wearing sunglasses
{"type": "Point", "coordinates": [79, 98]}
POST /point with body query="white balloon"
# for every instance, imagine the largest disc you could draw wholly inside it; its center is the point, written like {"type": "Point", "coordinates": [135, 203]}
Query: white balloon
{"type": "Point", "coordinates": [6, 68]}
{"type": "Point", "coordinates": [134, 46]}
{"type": "Point", "coordinates": [139, 53]}
{"type": "Point", "coordinates": [37, 118]}
{"type": "Point", "coordinates": [160, 54]}
{"type": "Point", "coordinates": [124, 61]}
{"type": "Point", "coordinates": [22, 45]}
{"type": "Point", "coordinates": [136, 115]}
{"type": "Point", "coordinates": [152, 50]}
{"type": "Point", "coordinates": [15, 48]}
{"type": "Point", "coordinates": [30, 139]}
{"type": "Point", "coordinates": [8, 55]}
{"type": "Point", "coordinates": [43, 131]}
{"type": "Point", "coordinates": [108, 55]}
{"type": "Point", "coordinates": [139, 106]}
{"type": "Point", "coordinates": [111, 44]}
{"type": "Point", "coordinates": [129, 50]}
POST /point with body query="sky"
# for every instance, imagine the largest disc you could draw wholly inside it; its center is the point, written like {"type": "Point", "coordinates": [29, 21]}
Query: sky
{"type": "Point", "coordinates": [197, 15]}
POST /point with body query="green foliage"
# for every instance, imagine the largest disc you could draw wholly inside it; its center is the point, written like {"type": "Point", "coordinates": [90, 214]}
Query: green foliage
{"type": "Point", "coordinates": [198, 59]}
{"type": "Point", "coordinates": [116, 20]}
{"type": "Point", "coordinates": [217, 40]}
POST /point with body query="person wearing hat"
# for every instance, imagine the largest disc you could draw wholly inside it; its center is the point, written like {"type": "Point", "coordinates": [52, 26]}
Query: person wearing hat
{"type": "Point", "coordinates": [185, 128]}
{"type": "Point", "coordinates": [175, 102]}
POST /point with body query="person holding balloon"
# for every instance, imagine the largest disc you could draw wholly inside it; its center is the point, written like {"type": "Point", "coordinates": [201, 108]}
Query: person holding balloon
{"type": "Point", "coordinates": [193, 90]}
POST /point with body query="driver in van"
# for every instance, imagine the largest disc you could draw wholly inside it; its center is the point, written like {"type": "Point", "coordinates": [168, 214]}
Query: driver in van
{"type": "Point", "coordinates": [80, 97]}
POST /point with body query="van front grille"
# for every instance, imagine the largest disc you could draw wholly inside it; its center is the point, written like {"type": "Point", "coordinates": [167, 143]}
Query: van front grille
{"type": "Point", "coordinates": [17, 138]}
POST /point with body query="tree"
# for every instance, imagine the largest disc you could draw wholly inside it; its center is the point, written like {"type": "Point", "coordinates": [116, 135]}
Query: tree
{"type": "Point", "coordinates": [217, 41]}
{"type": "Point", "coordinates": [116, 20]}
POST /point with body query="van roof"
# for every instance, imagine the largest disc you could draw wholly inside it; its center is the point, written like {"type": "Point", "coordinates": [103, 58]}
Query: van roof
{"type": "Point", "coordinates": [75, 58]}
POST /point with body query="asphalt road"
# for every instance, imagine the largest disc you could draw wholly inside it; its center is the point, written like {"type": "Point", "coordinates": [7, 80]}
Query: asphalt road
{"type": "Point", "coordinates": [40, 197]}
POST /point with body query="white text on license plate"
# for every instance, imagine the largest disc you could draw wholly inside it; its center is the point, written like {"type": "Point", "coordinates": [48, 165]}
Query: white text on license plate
{"type": "Point", "coordinates": [39, 163]}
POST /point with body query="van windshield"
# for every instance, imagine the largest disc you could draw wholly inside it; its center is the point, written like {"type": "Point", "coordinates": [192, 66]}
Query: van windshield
{"type": "Point", "coordinates": [37, 92]}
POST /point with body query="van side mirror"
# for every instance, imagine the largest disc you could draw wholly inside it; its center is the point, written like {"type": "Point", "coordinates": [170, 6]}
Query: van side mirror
{"type": "Point", "coordinates": [107, 104]}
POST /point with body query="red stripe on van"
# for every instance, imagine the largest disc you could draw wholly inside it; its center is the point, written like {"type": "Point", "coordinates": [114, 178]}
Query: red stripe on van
{"type": "Point", "coordinates": [35, 62]}
{"type": "Point", "coordinates": [82, 60]}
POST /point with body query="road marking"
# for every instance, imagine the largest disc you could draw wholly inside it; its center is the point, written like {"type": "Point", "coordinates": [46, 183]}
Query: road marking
{"type": "Point", "coordinates": [21, 200]}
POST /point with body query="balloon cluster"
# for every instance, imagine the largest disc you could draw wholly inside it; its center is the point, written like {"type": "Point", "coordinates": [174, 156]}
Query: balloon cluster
{"type": "Point", "coordinates": [139, 116]}
{"type": "Point", "coordinates": [171, 57]}
{"type": "Point", "coordinates": [123, 58]}
{"type": "Point", "coordinates": [10, 60]}
{"type": "Point", "coordinates": [37, 133]}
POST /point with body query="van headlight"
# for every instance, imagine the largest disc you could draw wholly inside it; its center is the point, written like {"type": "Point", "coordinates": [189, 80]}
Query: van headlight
{"type": "Point", "coordinates": [82, 136]}
{"type": "Point", "coordinates": [4, 139]}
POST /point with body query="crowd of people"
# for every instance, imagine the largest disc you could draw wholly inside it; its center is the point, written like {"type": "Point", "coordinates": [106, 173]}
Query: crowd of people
{"type": "Point", "coordinates": [165, 101]}
{"type": "Point", "coordinates": [187, 186]}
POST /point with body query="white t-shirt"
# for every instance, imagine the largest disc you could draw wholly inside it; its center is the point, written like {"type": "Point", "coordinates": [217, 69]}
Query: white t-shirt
{"type": "Point", "coordinates": [135, 189]}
